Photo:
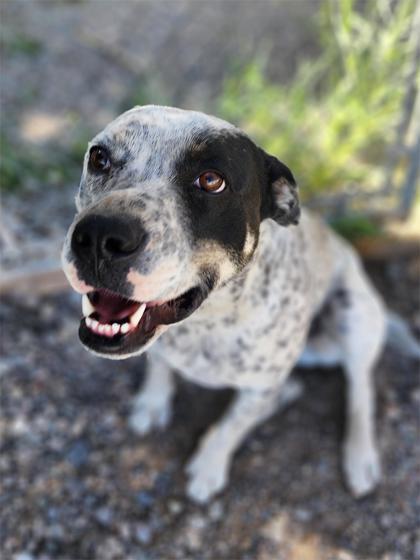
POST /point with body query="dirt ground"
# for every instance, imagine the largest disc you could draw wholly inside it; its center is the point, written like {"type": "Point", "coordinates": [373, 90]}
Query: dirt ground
{"type": "Point", "coordinates": [75, 483]}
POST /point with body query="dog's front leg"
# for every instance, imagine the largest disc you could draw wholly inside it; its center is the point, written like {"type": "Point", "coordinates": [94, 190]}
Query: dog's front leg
{"type": "Point", "coordinates": [208, 470]}
{"type": "Point", "coordinates": [152, 406]}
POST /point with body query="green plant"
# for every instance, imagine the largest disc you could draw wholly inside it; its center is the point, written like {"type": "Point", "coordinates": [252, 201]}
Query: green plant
{"type": "Point", "coordinates": [334, 123]}
{"type": "Point", "coordinates": [9, 167]}
{"type": "Point", "coordinates": [22, 165]}
{"type": "Point", "coordinates": [18, 43]}
{"type": "Point", "coordinates": [356, 226]}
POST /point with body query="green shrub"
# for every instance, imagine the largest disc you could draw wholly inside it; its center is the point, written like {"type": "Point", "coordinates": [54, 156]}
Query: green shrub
{"type": "Point", "coordinates": [334, 123]}
{"type": "Point", "coordinates": [355, 226]}
{"type": "Point", "coordinates": [23, 165]}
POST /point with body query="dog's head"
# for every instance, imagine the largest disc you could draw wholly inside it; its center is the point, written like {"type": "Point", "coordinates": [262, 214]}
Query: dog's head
{"type": "Point", "coordinates": [169, 209]}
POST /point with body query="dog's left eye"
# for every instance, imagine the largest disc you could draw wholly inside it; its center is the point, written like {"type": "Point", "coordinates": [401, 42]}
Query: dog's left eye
{"type": "Point", "coordinates": [99, 159]}
{"type": "Point", "coordinates": [211, 182]}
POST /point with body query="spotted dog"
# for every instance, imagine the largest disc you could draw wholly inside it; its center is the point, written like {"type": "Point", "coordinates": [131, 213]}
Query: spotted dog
{"type": "Point", "coordinates": [189, 243]}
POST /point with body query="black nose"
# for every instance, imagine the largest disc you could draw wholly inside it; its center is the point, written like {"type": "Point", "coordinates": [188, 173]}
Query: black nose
{"type": "Point", "coordinates": [97, 238]}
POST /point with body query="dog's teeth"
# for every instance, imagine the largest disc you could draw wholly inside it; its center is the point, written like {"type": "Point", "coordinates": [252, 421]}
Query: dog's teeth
{"type": "Point", "coordinates": [136, 317]}
{"type": "Point", "coordinates": [125, 328]}
{"type": "Point", "coordinates": [91, 323]}
{"type": "Point", "coordinates": [106, 329]}
{"type": "Point", "coordinates": [87, 307]}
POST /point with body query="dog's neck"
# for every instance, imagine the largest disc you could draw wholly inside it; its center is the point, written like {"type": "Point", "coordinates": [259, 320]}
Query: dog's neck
{"type": "Point", "coordinates": [275, 245]}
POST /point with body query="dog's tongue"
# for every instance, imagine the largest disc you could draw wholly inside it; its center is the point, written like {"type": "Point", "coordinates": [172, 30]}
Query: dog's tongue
{"type": "Point", "coordinates": [112, 307]}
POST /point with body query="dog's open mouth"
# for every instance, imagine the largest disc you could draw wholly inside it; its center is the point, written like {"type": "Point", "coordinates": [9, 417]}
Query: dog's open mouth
{"type": "Point", "coordinates": [113, 324]}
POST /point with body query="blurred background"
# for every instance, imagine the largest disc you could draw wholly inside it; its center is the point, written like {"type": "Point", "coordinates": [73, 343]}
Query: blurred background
{"type": "Point", "coordinates": [330, 87]}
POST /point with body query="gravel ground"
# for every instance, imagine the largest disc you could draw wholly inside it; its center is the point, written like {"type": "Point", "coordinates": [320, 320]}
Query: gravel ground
{"type": "Point", "coordinates": [77, 484]}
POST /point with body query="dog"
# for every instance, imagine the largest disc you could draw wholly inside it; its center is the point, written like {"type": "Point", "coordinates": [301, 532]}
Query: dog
{"type": "Point", "coordinates": [189, 242]}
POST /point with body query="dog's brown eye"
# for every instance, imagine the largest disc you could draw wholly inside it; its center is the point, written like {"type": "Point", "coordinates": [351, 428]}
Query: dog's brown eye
{"type": "Point", "coordinates": [210, 181]}
{"type": "Point", "coordinates": [99, 159]}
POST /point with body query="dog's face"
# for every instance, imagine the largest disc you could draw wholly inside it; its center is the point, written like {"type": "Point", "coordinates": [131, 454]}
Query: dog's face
{"type": "Point", "coordinates": [169, 209]}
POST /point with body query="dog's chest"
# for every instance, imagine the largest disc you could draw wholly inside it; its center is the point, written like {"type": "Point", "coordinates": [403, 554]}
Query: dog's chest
{"type": "Point", "coordinates": [194, 355]}
{"type": "Point", "coordinates": [247, 347]}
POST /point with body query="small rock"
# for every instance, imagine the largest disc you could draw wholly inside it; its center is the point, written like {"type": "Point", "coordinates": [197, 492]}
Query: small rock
{"type": "Point", "coordinates": [163, 483]}
{"type": "Point", "coordinates": [55, 532]}
{"type": "Point", "coordinates": [104, 516]}
{"type": "Point", "coordinates": [110, 548]}
{"type": "Point", "coordinates": [276, 529]}
{"type": "Point", "coordinates": [417, 550]}
{"type": "Point", "coordinates": [23, 556]}
{"type": "Point", "coordinates": [198, 522]}
{"type": "Point", "coordinates": [141, 555]}
{"type": "Point", "coordinates": [143, 533]}
{"type": "Point", "coordinates": [52, 513]}
{"type": "Point", "coordinates": [78, 453]}
{"type": "Point", "coordinates": [387, 521]}
{"type": "Point", "coordinates": [194, 531]}
{"type": "Point", "coordinates": [216, 511]}
{"type": "Point", "coordinates": [145, 499]}
{"type": "Point", "coordinates": [302, 515]}
{"type": "Point", "coordinates": [193, 538]}
{"type": "Point", "coordinates": [175, 507]}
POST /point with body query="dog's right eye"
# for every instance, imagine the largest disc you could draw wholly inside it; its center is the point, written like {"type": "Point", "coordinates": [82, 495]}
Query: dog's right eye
{"type": "Point", "coordinates": [98, 159]}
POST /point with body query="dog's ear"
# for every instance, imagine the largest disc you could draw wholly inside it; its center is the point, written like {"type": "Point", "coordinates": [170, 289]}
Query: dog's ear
{"type": "Point", "coordinates": [280, 200]}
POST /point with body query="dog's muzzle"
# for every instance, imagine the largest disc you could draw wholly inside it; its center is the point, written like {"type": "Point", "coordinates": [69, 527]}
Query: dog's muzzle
{"type": "Point", "coordinates": [104, 249]}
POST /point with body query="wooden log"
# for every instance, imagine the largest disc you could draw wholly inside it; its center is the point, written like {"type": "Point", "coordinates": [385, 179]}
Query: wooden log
{"type": "Point", "coordinates": [42, 277]}
{"type": "Point", "coordinates": [387, 248]}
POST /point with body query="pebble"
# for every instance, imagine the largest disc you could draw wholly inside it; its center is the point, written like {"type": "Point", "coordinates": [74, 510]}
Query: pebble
{"type": "Point", "coordinates": [417, 550]}
{"type": "Point", "coordinates": [198, 522]}
{"type": "Point", "coordinates": [303, 515]}
{"type": "Point", "coordinates": [216, 511]}
{"type": "Point", "coordinates": [194, 531]}
{"type": "Point", "coordinates": [55, 531]}
{"type": "Point", "coordinates": [192, 538]}
{"type": "Point", "coordinates": [78, 453]}
{"type": "Point", "coordinates": [143, 533]}
{"type": "Point", "coordinates": [163, 483]}
{"type": "Point", "coordinates": [145, 499]}
{"type": "Point", "coordinates": [175, 507]}
{"type": "Point", "coordinates": [387, 521]}
{"type": "Point", "coordinates": [23, 556]}
{"type": "Point", "coordinates": [104, 516]}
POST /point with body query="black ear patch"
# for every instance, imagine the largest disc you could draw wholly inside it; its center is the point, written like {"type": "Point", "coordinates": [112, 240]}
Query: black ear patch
{"type": "Point", "coordinates": [280, 200]}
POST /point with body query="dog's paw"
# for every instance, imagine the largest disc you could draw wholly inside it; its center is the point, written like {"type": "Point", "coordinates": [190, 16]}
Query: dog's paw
{"type": "Point", "coordinates": [362, 469]}
{"type": "Point", "coordinates": [206, 478]}
{"type": "Point", "coordinates": [149, 413]}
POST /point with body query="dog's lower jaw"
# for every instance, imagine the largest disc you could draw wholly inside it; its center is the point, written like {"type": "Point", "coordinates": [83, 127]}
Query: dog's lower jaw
{"type": "Point", "coordinates": [135, 353]}
{"type": "Point", "coordinates": [152, 319]}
